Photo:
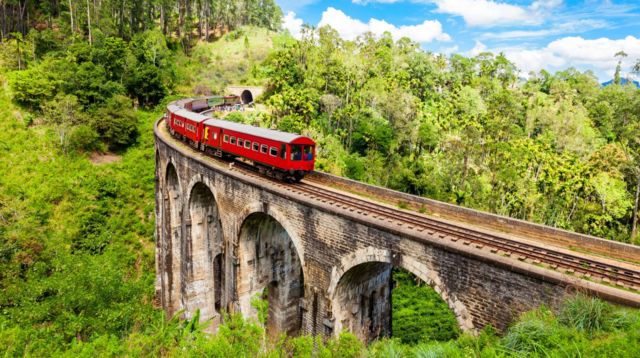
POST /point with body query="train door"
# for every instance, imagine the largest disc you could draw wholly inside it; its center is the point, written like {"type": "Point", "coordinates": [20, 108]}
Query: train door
{"type": "Point", "coordinates": [283, 153]}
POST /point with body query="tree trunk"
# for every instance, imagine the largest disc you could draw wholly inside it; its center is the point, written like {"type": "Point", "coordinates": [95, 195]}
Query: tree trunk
{"type": "Point", "coordinates": [71, 15]}
{"type": "Point", "coordinates": [180, 17]}
{"type": "Point", "coordinates": [200, 16]}
{"type": "Point", "coordinates": [162, 22]}
{"type": "Point", "coordinates": [121, 19]}
{"type": "Point", "coordinates": [634, 220]}
{"type": "Point", "coordinates": [89, 23]}
{"type": "Point", "coordinates": [19, 54]}
{"type": "Point", "coordinates": [4, 21]}
{"type": "Point", "coordinates": [206, 20]}
{"type": "Point", "coordinates": [21, 25]}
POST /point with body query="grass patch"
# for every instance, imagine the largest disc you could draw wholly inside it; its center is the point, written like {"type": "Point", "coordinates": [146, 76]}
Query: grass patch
{"type": "Point", "coordinates": [419, 313]}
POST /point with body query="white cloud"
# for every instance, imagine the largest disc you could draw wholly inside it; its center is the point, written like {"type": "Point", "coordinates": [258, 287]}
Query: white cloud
{"type": "Point", "coordinates": [485, 13]}
{"type": "Point", "coordinates": [576, 26]}
{"type": "Point", "coordinates": [545, 4]}
{"type": "Point", "coordinates": [597, 55]}
{"type": "Point", "coordinates": [478, 48]}
{"type": "Point", "coordinates": [293, 24]}
{"type": "Point", "coordinates": [448, 50]}
{"type": "Point", "coordinates": [534, 60]}
{"type": "Point", "coordinates": [350, 28]}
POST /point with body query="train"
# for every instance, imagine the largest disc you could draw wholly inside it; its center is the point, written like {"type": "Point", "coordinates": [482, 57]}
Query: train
{"type": "Point", "coordinates": [285, 156]}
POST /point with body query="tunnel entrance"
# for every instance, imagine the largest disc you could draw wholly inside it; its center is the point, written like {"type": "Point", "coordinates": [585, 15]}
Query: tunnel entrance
{"type": "Point", "coordinates": [246, 97]}
{"type": "Point", "coordinates": [172, 217]}
{"type": "Point", "coordinates": [270, 268]}
{"type": "Point", "coordinates": [204, 266]}
{"type": "Point", "coordinates": [376, 299]}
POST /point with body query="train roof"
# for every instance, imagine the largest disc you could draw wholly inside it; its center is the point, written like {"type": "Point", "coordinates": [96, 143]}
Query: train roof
{"type": "Point", "coordinates": [284, 137]}
{"type": "Point", "coordinates": [196, 117]}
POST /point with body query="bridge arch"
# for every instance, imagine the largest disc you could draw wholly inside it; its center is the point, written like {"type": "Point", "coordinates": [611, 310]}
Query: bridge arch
{"type": "Point", "coordinates": [270, 267]}
{"type": "Point", "coordinates": [258, 207]}
{"type": "Point", "coordinates": [172, 239]}
{"type": "Point", "coordinates": [360, 292]}
{"type": "Point", "coordinates": [203, 269]}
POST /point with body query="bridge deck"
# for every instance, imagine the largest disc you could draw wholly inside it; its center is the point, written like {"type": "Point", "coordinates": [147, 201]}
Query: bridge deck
{"type": "Point", "coordinates": [588, 251]}
{"type": "Point", "coordinates": [607, 250]}
{"type": "Point", "coordinates": [624, 257]}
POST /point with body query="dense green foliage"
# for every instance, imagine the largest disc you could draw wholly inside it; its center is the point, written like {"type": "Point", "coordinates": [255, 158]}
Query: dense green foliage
{"type": "Point", "coordinates": [554, 149]}
{"type": "Point", "coordinates": [419, 313]}
{"type": "Point", "coordinates": [82, 87]}
{"type": "Point", "coordinates": [182, 19]}
{"type": "Point", "coordinates": [76, 250]}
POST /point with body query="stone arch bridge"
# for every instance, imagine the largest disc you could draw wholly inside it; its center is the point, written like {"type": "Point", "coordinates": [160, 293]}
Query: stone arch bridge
{"type": "Point", "coordinates": [224, 235]}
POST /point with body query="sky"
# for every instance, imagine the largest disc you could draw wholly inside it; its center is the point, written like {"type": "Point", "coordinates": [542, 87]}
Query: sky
{"type": "Point", "coordinates": [534, 34]}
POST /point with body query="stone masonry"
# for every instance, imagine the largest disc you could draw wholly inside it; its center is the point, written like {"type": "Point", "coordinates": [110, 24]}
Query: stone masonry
{"type": "Point", "coordinates": [224, 238]}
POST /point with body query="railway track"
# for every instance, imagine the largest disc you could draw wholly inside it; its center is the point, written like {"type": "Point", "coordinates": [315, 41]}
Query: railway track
{"type": "Point", "coordinates": [573, 264]}
{"type": "Point", "coordinates": [580, 266]}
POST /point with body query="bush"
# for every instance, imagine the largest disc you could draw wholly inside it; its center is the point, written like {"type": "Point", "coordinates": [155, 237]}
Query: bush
{"type": "Point", "coordinates": [116, 123]}
{"type": "Point", "coordinates": [85, 138]}
{"type": "Point", "coordinates": [586, 314]}
{"type": "Point", "coordinates": [419, 313]}
{"type": "Point", "coordinates": [346, 346]}
{"type": "Point", "coordinates": [235, 117]}
{"type": "Point", "coordinates": [535, 332]}
{"type": "Point", "coordinates": [388, 348]}
{"type": "Point", "coordinates": [437, 350]}
{"type": "Point", "coordinates": [145, 84]}
{"type": "Point", "coordinates": [32, 87]}
{"type": "Point", "coordinates": [291, 123]}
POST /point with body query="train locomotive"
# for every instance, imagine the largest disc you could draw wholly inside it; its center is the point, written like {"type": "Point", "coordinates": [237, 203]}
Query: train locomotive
{"type": "Point", "coordinates": [285, 156]}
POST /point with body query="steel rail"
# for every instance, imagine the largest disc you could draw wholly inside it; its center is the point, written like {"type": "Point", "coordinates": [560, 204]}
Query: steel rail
{"type": "Point", "coordinates": [587, 266]}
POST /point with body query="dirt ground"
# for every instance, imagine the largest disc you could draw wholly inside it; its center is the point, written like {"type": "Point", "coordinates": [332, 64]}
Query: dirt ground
{"type": "Point", "coordinates": [104, 158]}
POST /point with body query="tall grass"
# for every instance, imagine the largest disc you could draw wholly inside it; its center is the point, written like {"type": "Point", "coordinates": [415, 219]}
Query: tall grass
{"type": "Point", "coordinates": [586, 314]}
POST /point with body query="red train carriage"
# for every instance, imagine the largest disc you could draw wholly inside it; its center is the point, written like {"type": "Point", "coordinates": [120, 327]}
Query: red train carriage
{"type": "Point", "coordinates": [285, 155]}
{"type": "Point", "coordinates": [187, 124]}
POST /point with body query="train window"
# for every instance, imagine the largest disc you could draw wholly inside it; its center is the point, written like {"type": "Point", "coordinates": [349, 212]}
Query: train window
{"type": "Point", "coordinates": [296, 152]}
{"type": "Point", "coordinates": [240, 142]}
{"type": "Point", "coordinates": [233, 140]}
{"type": "Point", "coordinates": [247, 144]}
{"type": "Point", "coordinates": [264, 148]}
{"type": "Point", "coordinates": [226, 138]}
{"type": "Point", "coordinates": [308, 152]}
{"type": "Point", "coordinates": [256, 146]}
{"type": "Point", "coordinates": [215, 136]}
{"type": "Point", "coordinates": [283, 151]}
{"type": "Point", "coordinates": [274, 151]}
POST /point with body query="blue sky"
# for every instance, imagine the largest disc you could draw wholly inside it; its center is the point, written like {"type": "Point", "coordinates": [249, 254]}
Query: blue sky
{"type": "Point", "coordinates": [535, 34]}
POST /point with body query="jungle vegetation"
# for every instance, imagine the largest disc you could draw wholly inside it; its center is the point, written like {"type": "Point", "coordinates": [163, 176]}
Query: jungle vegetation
{"type": "Point", "coordinates": [80, 78]}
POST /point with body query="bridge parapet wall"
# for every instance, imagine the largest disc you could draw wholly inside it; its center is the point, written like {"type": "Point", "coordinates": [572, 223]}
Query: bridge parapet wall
{"type": "Point", "coordinates": [477, 218]}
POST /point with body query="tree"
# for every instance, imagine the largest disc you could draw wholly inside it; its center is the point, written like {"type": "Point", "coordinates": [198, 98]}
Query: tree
{"type": "Point", "coordinates": [116, 123]}
{"type": "Point", "coordinates": [63, 112]}
{"type": "Point", "coordinates": [146, 85]}
{"type": "Point", "coordinates": [617, 77]}
{"type": "Point", "coordinates": [33, 87]}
